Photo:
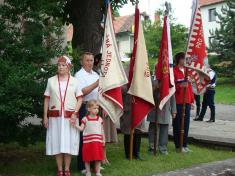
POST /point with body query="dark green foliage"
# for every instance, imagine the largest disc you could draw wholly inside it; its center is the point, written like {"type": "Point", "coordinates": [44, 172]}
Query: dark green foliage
{"type": "Point", "coordinates": [28, 41]}
{"type": "Point", "coordinates": [30, 36]}
{"type": "Point", "coordinates": [224, 39]}
{"type": "Point", "coordinates": [153, 36]}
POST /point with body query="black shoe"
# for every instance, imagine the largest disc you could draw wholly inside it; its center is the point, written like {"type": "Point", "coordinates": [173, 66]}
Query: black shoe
{"type": "Point", "coordinates": [209, 121]}
{"type": "Point", "coordinates": [198, 119]}
{"type": "Point", "coordinates": [139, 158]}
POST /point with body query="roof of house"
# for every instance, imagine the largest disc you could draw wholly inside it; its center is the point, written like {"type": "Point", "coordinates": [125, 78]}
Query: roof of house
{"type": "Point", "coordinates": [123, 23]}
{"type": "Point", "coordinates": [120, 24]}
{"type": "Point", "coordinates": [209, 2]}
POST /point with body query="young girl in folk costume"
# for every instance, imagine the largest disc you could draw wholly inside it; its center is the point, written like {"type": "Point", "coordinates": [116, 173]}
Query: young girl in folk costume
{"type": "Point", "coordinates": [93, 137]}
{"type": "Point", "coordinates": [110, 130]}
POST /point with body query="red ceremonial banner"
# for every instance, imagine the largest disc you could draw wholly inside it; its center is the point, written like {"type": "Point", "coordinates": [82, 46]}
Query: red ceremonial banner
{"type": "Point", "coordinates": [196, 56]}
{"type": "Point", "coordinates": [163, 72]}
{"type": "Point", "coordinates": [140, 86]}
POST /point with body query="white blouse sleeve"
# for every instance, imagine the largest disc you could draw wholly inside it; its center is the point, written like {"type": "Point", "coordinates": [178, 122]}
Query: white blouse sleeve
{"type": "Point", "coordinates": [78, 91]}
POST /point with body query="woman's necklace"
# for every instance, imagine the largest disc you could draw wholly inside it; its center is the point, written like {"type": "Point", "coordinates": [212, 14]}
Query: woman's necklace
{"type": "Point", "coordinates": [61, 100]}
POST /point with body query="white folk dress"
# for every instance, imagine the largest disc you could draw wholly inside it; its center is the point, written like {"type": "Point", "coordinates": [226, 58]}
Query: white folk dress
{"type": "Point", "coordinates": [61, 137]}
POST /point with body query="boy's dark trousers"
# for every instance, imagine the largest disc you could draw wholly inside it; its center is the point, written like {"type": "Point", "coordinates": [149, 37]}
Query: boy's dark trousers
{"type": "Point", "coordinates": [198, 104]}
{"type": "Point", "coordinates": [208, 100]}
{"type": "Point", "coordinates": [177, 125]}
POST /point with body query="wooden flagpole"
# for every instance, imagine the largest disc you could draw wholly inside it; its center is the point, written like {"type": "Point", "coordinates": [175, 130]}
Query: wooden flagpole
{"type": "Point", "coordinates": [132, 130]}
{"type": "Point", "coordinates": [155, 127]}
{"type": "Point", "coordinates": [168, 9]}
{"type": "Point", "coordinates": [185, 92]}
{"type": "Point", "coordinates": [131, 143]}
{"type": "Point", "coordinates": [183, 112]}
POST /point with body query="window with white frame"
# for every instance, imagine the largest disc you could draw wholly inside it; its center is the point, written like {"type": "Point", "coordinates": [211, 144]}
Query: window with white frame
{"type": "Point", "coordinates": [212, 14]}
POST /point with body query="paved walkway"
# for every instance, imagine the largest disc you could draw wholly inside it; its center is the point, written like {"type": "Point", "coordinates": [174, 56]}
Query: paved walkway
{"type": "Point", "coordinates": [223, 112]}
{"type": "Point", "coordinates": [222, 132]}
{"type": "Point", "coordinates": [219, 168]}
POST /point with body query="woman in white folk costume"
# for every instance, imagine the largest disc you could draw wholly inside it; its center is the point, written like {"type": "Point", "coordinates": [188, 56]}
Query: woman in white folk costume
{"type": "Point", "coordinates": [62, 101]}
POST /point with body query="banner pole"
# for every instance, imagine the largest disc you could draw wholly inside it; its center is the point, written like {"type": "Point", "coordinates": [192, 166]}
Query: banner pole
{"type": "Point", "coordinates": [168, 8]}
{"type": "Point", "coordinates": [155, 127]}
{"type": "Point", "coordinates": [132, 129]}
{"type": "Point", "coordinates": [184, 96]}
{"type": "Point", "coordinates": [131, 143]}
{"type": "Point", "coordinates": [155, 134]}
{"type": "Point", "coordinates": [183, 113]}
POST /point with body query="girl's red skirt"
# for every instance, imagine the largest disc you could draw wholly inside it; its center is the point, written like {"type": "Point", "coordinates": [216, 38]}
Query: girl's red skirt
{"type": "Point", "coordinates": [92, 151]}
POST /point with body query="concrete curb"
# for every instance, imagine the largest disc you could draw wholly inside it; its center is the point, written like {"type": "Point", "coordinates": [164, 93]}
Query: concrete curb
{"type": "Point", "coordinates": [218, 168]}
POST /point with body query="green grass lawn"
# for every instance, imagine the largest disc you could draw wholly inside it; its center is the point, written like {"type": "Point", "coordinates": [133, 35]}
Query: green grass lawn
{"type": "Point", "coordinates": [225, 91]}
{"type": "Point", "coordinates": [31, 161]}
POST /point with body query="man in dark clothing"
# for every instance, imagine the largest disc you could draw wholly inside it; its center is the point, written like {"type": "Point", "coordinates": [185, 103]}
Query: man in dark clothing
{"type": "Point", "coordinates": [208, 98]}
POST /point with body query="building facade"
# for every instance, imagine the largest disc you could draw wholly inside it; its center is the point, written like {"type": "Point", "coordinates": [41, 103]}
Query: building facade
{"type": "Point", "coordinates": [209, 18]}
{"type": "Point", "coordinates": [123, 27]}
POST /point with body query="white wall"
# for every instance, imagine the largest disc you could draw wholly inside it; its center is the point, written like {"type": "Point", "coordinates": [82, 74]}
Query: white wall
{"type": "Point", "coordinates": [125, 43]}
{"type": "Point", "coordinates": [207, 25]}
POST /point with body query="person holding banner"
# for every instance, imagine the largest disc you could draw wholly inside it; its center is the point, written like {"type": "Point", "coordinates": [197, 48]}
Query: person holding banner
{"type": "Point", "coordinates": [180, 84]}
{"type": "Point", "coordinates": [164, 96]}
{"type": "Point", "coordinates": [125, 126]}
{"type": "Point", "coordinates": [97, 63]}
{"type": "Point", "coordinates": [112, 78]}
{"type": "Point", "coordinates": [208, 98]}
{"type": "Point", "coordinates": [163, 120]}
{"type": "Point", "coordinates": [88, 81]}
{"type": "Point", "coordinates": [63, 99]}
{"type": "Point", "coordinates": [197, 61]}
{"type": "Point", "coordinates": [151, 117]}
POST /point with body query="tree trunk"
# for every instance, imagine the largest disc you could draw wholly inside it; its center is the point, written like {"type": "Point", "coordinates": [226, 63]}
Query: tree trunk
{"type": "Point", "coordinates": [86, 18]}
